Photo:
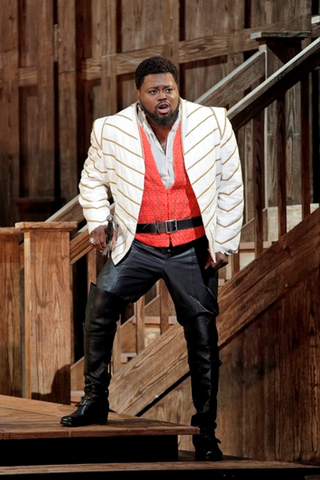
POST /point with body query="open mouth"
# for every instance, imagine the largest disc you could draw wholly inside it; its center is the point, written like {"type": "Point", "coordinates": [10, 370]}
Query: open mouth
{"type": "Point", "coordinates": [163, 108]}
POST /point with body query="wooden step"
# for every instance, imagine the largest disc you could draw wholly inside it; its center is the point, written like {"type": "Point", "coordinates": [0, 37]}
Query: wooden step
{"type": "Point", "coordinates": [32, 429]}
{"type": "Point", "coordinates": [229, 468]}
{"type": "Point", "coordinates": [33, 444]}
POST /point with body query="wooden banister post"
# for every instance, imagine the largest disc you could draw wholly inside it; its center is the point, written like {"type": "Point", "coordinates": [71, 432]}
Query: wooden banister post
{"type": "Point", "coordinates": [47, 321]}
{"type": "Point", "coordinates": [284, 132]}
{"type": "Point", "coordinates": [10, 313]}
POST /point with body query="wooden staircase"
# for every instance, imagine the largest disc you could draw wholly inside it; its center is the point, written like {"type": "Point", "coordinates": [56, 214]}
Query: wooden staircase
{"type": "Point", "coordinates": [241, 299]}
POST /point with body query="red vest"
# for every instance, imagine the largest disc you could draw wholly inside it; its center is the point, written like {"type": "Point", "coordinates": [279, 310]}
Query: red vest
{"type": "Point", "coordinates": [160, 203]}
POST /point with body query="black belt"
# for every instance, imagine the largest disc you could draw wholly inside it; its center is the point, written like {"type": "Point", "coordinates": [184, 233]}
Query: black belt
{"type": "Point", "coordinates": [170, 226]}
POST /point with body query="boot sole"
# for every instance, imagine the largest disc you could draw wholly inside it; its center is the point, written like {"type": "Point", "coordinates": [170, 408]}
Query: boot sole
{"type": "Point", "coordinates": [67, 423]}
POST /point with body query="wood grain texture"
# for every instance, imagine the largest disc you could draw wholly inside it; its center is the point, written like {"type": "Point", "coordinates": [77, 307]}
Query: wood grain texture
{"type": "Point", "coordinates": [65, 46]}
{"type": "Point", "coordinates": [47, 327]}
{"type": "Point", "coordinates": [281, 80]}
{"type": "Point", "coordinates": [244, 302]}
{"type": "Point", "coordinates": [26, 423]}
{"type": "Point", "coordinates": [9, 118]}
{"type": "Point", "coordinates": [10, 313]}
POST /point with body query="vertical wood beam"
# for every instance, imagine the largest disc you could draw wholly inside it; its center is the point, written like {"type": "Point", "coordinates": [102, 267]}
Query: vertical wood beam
{"type": "Point", "coordinates": [65, 46]}
{"type": "Point", "coordinates": [47, 322]}
{"type": "Point", "coordinates": [9, 107]}
{"type": "Point", "coordinates": [259, 175]}
{"type": "Point", "coordinates": [105, 46]}
{"type": "Point", "coordinates": [42, 181]}
{"type": "Point", "coordinates": [10, 313]}
{"type": "Point", "coordinates": [140, 318]}
{"type": "Point", "coordinates": [305, 157]}
{"type": "Point", "coordinates": [164, 307]}
{"type": "Point", "coordinates": [281, 159]}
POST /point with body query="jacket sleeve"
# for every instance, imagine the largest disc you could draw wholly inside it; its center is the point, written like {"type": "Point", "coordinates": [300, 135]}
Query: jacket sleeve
{"type": "Point", "coordinates": [230, 194]}
{"type": "Point", "coordinates": [94, 183]}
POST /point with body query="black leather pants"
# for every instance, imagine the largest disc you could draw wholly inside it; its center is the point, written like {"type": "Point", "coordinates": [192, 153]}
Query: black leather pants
{"type": "Point", "coordinates": [194, 293]}
{"type": "Point", "coordinates": [203, 357]}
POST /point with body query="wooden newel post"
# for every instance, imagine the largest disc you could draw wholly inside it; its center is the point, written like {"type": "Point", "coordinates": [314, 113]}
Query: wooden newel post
{"type": "Point", "coordinates": [47, 316]}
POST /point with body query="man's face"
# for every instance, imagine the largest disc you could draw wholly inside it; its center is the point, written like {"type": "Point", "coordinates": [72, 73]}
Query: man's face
{"type": "Point", "coordinates": [159, 98]}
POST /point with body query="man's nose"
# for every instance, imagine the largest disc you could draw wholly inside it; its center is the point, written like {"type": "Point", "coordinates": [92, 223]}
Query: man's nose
{"type": "Point", "coordinates": [162, 94]}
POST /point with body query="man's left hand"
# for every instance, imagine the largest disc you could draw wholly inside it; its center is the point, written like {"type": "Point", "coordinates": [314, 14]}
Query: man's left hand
{"type": "Point", "coordinates": [221, 261]}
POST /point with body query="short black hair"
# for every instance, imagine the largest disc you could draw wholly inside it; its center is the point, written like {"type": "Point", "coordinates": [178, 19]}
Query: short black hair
{"type": "Point", "coordinates": [154, 65]}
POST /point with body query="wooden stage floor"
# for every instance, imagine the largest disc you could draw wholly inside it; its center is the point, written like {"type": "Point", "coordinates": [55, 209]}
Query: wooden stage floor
{"type": "Point", "coordinates": [33, 444]}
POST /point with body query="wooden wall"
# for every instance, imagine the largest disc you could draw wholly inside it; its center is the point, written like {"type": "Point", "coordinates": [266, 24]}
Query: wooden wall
{"type": "Point", "coordinates": [63, 63]}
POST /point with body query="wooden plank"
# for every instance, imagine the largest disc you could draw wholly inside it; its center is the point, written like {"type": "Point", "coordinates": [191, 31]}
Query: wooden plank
{"type": "Point", "coordinates": [279, 82]}
{"type": "Point", "coordinates": [226, 92]}
{"type": "Point", "coordinates": [275, 263]}
{"type": "Point", "coordinates": [79, 245]}
{"type": "Point", "coordinates": [116, 352]}
{"type": "Point", "coordinates": [125, 397]}
{"type": "Point", "coordinates": [259, 175]}
{"type": "Point", "coordinates": [127, 61]}
{"type": "Point", "coordinates": [65, 46]}
{"type": "Point", "coordinates": [243, 467]}
{"type": "Point", "coordinates": [41, 181]}
{"type": "Point", "coordinates": [275, 362]}
{"type": "Point", "coordinates": [140, 32]}
{"type": "Point", "coordinates": [104, 44]}
{"type": "Point", "coordinates": [297, 371]}
{"type": "Point", "coordinates": [71, 212]}
{"type": "Point", "coordinates": [22, 418]}
{"type": "Point", "coordinates": [203, 48]}
{"type": "Point", "coordinates": [281, 157]}
{"type": "Point", "coordinates": [91, 267]}
{"type": "Point", "coordinates": [164, 307]}
{"type": "Point", "coordinates": [305, 147]}
{"type": "Point", "coordinates": [280, 34]}
{"type": "Point", "coordinates": [140, 325]}
{"type": "Point", "coordinates": [47, 226]}
{"type": "Point", "coordinates": [28, 76]}
{"type": "Point", "coordinates": [11, 345]}
{"type": "Point", "coordinates": [9, 118]}
{"type": "Point", "coordinates": [109, 88]}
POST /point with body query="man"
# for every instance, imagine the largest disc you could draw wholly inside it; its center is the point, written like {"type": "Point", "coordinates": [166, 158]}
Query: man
{"type": "Point", "coordinates": [173, 171]}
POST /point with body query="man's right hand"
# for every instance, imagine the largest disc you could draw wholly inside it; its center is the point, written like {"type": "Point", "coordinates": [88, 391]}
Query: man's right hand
{"type": "Point", "coordinates": [98, 238]}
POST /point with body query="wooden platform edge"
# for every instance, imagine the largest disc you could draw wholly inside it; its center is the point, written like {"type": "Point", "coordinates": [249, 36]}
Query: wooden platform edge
{"type": "Point", "coordinates": [22, 418]}
{"type": "Point", "coordinates": [228, 464]}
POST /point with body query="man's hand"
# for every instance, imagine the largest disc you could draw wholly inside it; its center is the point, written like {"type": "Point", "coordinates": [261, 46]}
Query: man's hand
{"type": "Point", "coordinates": [221, 261]}
{"type": "Point", "coordinates": [98, 238]}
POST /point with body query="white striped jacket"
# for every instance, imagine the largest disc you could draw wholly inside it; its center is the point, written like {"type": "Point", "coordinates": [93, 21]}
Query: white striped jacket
{"type": "Point", "coordinates": [115, 168]}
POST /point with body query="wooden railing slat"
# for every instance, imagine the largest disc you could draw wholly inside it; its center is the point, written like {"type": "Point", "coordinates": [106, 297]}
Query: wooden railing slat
{"type": "Point", "coordinates": [280, 81]}
{"type": "Point", "coordinates": [10, 313]}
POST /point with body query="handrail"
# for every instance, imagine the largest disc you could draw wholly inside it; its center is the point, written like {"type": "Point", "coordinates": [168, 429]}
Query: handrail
{"type": "Point", "coordinates": [237, 83]}
{"type": "Point", "coordinates": [275, 85]}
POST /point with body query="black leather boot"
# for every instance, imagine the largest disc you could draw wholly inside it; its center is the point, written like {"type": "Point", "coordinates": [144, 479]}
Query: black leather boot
{"type": "Point", "coordinates": [94, 405]}
{"type": "Point", "coordinates": [102, 313]}
{"type": "Point", "coordinates": [204, 363]}
{"type": "Point", "coordinates": [206, 446]}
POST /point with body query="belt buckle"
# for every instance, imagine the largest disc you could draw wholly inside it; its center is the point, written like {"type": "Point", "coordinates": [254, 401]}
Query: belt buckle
{"type": "Point", "coordinates": [171, 226]}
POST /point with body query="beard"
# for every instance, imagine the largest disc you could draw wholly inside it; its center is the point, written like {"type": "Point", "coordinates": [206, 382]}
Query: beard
{"type": "Point", "coordinates": [161, 120]}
